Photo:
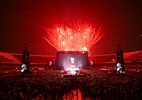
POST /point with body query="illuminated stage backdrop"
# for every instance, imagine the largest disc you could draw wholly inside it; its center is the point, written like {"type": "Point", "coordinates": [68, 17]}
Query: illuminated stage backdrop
{"type": "Point", "coordinates": [75, 37]}
{"type": "Point", "coordinates": [72, 59]}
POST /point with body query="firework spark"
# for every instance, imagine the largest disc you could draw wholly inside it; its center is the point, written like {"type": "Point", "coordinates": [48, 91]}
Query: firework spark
{"type": "Point", "coordinates": [76, 37]}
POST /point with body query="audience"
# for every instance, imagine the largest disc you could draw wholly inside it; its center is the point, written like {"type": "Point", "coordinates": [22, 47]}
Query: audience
{"type": "Point", "coordinates": [50, 85]}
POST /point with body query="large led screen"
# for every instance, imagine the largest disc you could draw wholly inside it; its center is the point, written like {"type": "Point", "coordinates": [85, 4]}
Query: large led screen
{"type": "Point", "coordinates": [66, 58]}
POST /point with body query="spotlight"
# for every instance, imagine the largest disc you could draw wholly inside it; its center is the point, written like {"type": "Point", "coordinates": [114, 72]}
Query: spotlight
{"type": "Point", "coordinates": [23, 68]}
{"type": "Point", "coordinates": [50, 63]}
{"type": "Point", "coordinates": [119, 67]}
{"type": "Point", "coordinates": [91, 62]}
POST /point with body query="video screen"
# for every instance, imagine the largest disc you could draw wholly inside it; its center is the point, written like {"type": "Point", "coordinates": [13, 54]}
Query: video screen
{"type": "Point", "coordinates": [67, 59]}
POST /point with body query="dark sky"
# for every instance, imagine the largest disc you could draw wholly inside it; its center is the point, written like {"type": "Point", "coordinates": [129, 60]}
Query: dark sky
{"type": "Point", "coordinates": [24, 21]}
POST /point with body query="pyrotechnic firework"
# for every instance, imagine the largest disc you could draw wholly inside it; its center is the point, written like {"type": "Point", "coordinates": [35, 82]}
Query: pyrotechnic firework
{"type": "Point", "coordinates": [76, 37]}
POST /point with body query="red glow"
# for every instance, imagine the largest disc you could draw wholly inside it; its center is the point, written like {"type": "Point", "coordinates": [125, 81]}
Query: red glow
{"type": "Point", "coordinates": [76, 37]}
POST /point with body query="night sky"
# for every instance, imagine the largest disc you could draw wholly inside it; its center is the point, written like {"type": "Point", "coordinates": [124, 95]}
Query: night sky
{"type": "Point", "coordinates": [24, 21]}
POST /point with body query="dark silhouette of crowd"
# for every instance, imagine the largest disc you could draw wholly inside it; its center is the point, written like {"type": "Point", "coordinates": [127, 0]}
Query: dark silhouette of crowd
{"type": "Point", "coordinates": [50, 85]}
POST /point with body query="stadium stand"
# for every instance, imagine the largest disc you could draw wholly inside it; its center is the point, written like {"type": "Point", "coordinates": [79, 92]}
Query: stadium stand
{"type": "Point", "coordinates": [103, 58]}
{"type": "Point", "coordinates": [7, 57]}
{"type": "Point", "coordinates": [13, 58]}
{"type": "Point", "coordinates": [133, 56]}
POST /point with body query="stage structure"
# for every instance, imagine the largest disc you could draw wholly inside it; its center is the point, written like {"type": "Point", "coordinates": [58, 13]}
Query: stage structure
{"type": "Point", "coordinates": [73, 44]}
{"type": "Point", "coordinates": [72, 61]}
{"type": "Point", "coordinates": [25, 67]}
{"type": "Point", "coordinates": [120, 60]}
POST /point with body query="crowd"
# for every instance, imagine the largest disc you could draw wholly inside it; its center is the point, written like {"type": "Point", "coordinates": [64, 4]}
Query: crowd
{"type": "Point", "coordinates": [50, 85]}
